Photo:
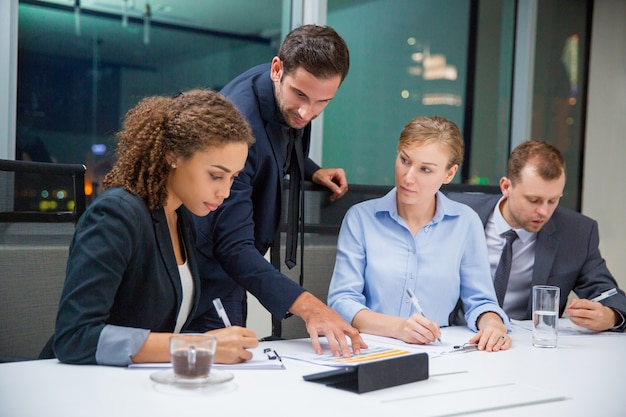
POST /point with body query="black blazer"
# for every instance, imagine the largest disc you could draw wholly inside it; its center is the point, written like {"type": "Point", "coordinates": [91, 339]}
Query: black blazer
{"type": "Point", "coordinates": [232, 239]}
{"type": "Point", "coordinates": [567, 254]}
{"type": "Point", "coordinates": [121, 271]}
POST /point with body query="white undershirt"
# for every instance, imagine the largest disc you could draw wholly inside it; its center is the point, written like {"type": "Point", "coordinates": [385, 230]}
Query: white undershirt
{"type": "Point", "coordinates": [186, 282]}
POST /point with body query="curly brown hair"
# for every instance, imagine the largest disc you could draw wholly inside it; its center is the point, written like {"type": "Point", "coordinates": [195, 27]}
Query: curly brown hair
{"type": "Point", "coordinates": [177, 127]}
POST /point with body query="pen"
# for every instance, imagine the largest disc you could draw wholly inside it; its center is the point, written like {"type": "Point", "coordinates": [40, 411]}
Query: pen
{"type": "Point", "coordinates": [605, 294]}
{"type": "Point", "coordinates": [416, 304]}
{"type": "Point", "coordinates": [466, 347]}
{"type": "Point", "coordinates": [221, 312]}
{"type": "Point", "coordinates": [271, 353]}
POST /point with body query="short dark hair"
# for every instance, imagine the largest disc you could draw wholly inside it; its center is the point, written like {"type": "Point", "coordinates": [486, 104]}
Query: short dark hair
{"type": "Point", "coordinates": [318, 49]}
{"type": "Point", "coordinates": [546, 158]}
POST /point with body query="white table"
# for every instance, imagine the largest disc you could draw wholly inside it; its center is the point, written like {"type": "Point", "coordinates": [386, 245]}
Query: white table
{"type": "Point", "coordinates": [582, 377]}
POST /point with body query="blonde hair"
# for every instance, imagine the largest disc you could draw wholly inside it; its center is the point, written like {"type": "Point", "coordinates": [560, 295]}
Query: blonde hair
{"type": "Point", "coordinates": [425, 130]}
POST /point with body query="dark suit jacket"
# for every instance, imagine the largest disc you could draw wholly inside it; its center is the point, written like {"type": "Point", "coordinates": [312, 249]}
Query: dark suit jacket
{"type": "Point", "coordinates": [121, 271]}
{"type": "Point", "coordinates": [232, 239]}
{"type": "Point", "coordinates": [567, 254]}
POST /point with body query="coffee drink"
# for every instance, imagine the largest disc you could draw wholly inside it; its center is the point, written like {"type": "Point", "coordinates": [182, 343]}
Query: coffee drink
{"type": "Point", "coordinates": [191, 363]}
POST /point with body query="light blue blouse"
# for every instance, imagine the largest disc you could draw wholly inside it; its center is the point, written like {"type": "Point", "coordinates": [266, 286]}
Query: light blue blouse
{"type": "Point", "coordinates": [378, 259]}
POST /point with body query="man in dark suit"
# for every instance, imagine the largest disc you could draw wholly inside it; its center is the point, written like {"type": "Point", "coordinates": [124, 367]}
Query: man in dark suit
{"type": "Point", "coordinates": [554, 245]}
{"type": "Point", "coordinates": [279, 100]}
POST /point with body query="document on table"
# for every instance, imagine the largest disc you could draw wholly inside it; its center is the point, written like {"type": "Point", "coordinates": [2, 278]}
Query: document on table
{"type": "Point", "coordinates": [263, 357]}
{"type": "Point", "coordinates": [380, 348]}
{"type": "Point", "coordinates": [566, 327]}
{"type": "Point", "coordinates": [374, 353]}
{"type": "Point", "coordinates": [434, 350]}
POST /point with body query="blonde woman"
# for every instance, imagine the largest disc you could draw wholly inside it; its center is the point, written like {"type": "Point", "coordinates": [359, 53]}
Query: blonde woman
{"type": "Point", "coordinates": [416, 238]}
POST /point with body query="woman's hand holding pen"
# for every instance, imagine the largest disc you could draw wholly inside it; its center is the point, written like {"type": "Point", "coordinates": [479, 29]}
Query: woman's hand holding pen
{"type": "Point", "coordinates": [419, 330]}
{"type": "Point", "coordinates": [423, 322]}
{"type": "Point", "coordinates": [232, 344]}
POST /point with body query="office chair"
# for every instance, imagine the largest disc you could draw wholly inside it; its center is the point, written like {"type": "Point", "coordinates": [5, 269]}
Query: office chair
{"type": "Point", "coordinates": [39, 206]}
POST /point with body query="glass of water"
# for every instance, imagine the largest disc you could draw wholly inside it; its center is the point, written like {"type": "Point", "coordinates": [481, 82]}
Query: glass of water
{"type": "Point", "coordinates": [545, 315]}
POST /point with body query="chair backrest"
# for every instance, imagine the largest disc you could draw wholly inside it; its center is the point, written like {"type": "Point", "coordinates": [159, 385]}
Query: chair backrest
{"type": "Point", "coordinates": [39, 206]}
{"type": "Point", "coordinates": [322, 221]}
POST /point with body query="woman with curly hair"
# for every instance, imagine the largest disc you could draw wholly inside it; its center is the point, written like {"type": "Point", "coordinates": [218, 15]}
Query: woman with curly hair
{"type": "Point", "coordinates": [132, 278]}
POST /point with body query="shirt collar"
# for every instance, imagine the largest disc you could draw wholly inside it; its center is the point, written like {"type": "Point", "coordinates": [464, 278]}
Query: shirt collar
{"type": "Point", "coordinates": [445, 207]}
{"type": "Point", "coordinates": [502, 225]}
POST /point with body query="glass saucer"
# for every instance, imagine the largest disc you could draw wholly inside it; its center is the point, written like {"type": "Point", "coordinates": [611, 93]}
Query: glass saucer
{"type": "Point", "coordinates": [168, 377]}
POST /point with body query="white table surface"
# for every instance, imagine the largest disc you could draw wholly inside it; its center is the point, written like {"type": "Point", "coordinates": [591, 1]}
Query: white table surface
{"type": "Point", "coordinates": [583, 376]}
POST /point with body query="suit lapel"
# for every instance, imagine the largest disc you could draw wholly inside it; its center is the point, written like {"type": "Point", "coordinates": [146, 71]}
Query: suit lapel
{"type": "Point", "coordinates": [545, 253]}
{"type": "Point", "coordinates": [268, 109]}
{"type": "Point", "coordinates": [164, 243]}
{"type": "Point", "coordinates": [485, 209]}
{"type": "Point", "coordinates": [269, 112]}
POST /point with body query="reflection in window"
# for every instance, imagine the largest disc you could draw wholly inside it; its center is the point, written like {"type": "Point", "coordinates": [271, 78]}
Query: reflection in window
{"type": "Point", "coordinates": [561, 56]}
{"type": "Point", "coordinates": [408, 58]}
{"type": "Point", "coordinates": [78, 74]}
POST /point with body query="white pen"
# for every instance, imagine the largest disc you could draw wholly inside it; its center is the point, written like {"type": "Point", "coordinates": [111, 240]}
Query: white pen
{"type": "Point", "coordinates": [221, 312]}
{"type": "Point", "coordinates": [417, 305]}
{"type": "Point", "coordinates": [605, 294]}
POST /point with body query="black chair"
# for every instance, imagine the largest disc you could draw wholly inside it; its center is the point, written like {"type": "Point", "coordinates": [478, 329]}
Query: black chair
{"type": "Point", "coordinates": [39, 206]}
{"type": "Point", "coordinates": [322, 221]}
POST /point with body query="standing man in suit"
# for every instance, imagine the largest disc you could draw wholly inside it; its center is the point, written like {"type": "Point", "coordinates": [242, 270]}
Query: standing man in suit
{"type": "Point", "coordinates": [279, 100]}
{"type": "Point", "coordinates": [554, 245]}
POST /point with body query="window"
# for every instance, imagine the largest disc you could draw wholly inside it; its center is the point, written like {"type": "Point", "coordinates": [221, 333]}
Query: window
{"type": "Point", "coordinates": [408, 58]}
{"type": "Point", "coordinates": [76, 81]}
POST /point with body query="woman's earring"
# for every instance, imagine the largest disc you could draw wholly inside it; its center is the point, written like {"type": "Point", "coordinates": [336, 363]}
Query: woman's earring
{"type": "Point", "coordinates": [173, 165]}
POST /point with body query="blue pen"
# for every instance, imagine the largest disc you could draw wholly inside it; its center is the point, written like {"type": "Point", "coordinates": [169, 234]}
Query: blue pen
{"type": "Point", "coordinates": [416, 304]}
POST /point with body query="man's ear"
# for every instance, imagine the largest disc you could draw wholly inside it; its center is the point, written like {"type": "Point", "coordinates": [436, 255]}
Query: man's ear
{"type": "Point", "coordinates": [505, 186]}
{"type": "Point", "coordinates": [276, 69]}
